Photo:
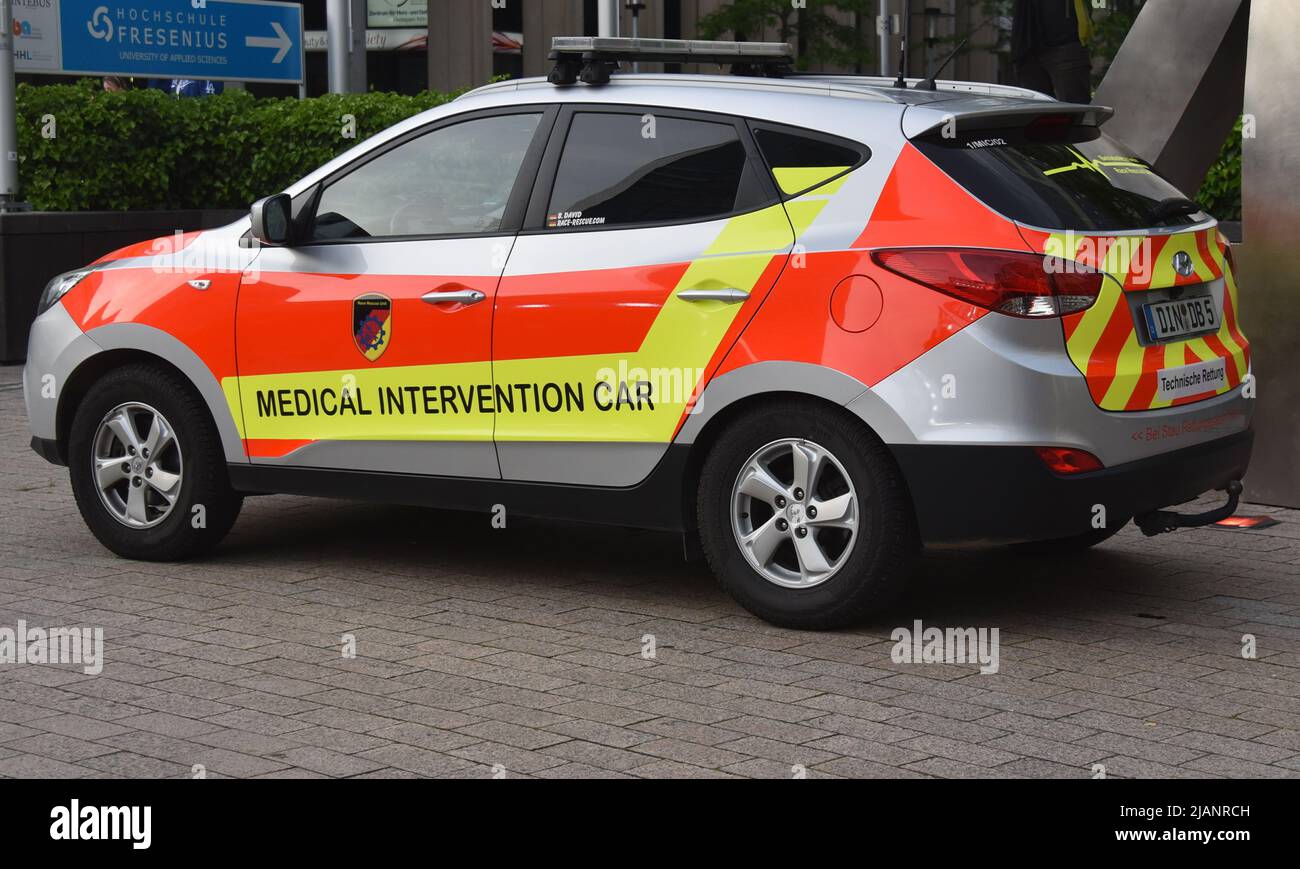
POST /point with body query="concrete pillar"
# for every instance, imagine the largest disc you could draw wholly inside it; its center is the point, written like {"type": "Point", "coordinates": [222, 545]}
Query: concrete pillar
{"type": "Point", "coordinates": [1270, 267]}
{"type": "Point", "coordinates": [544, 19]}
{"type": "Point", "coordinates": [346, 44]}
{"type": "Point", "coordinates": [607, 17]}
{"type": "Point", "coordinates": [460, 44]}
{"type": "Point", "coordinates": [1176, 84]}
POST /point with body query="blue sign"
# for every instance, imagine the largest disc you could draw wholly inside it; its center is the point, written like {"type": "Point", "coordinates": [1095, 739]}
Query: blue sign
{"type": "Point", "coordinates": [236, 40]}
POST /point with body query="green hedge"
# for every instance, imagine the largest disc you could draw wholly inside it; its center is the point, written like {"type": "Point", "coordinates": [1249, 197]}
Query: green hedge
{"type": "Point", "coordinates": [144, 149]}
{"type": "Point", "coordinates": [1221, 193]}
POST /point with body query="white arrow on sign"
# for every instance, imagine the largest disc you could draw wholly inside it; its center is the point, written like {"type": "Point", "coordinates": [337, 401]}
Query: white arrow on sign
{"type": "Point", "coordinates": [281, 41]}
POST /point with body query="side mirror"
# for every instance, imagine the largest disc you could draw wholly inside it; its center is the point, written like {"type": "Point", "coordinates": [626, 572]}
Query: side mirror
{"type": "Point", "coordinates": [273, 219]}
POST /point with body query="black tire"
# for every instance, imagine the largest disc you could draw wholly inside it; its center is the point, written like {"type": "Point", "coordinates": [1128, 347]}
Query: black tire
{"type": "Point", "coordinates": [1078, 543]}
{"type": "Point", "coordinates": [204, 479]}
{"type": "Point", "coordinates": [879, 562]}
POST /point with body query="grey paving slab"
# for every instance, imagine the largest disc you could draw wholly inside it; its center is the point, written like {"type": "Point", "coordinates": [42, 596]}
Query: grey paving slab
{"type": "Point", "coordinates": [518, 653]}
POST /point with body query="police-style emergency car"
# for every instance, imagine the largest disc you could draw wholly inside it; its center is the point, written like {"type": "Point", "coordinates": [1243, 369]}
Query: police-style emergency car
{"type": "Point", "coordinates": [810, 321]}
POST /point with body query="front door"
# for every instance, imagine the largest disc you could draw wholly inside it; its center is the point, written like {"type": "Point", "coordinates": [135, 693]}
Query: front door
{"type": "Point", "coordinates": [366, 345]}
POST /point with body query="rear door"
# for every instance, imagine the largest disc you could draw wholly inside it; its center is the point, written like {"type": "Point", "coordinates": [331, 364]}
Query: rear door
{"type": "Point", "coordinates": [367, 344]}
{"type": "Point", "coordinates": [1164, 330]}
{"type": "Point", "coordinates": [652, 237]}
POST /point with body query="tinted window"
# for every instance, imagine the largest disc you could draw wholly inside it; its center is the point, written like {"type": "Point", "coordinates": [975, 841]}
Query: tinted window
{"type": "Point", "coordinates": [453, 181]}
{"type": "Point", "coordinates": [786, 150]}
{"type": "Point", "coordinates": [621, 169]}
{"type": "Point", "coordinates": [1087, 182]}
{"type": "Point", "coordinates": [800, 162]}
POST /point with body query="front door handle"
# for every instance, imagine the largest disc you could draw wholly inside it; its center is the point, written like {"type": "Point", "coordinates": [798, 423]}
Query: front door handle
{"type": "Point", "coordinates": [730, 295]}
{"type": "Point", "coordinates": [454, 297]}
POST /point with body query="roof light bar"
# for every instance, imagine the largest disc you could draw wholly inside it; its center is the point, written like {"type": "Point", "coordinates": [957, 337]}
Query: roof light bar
{"type": "Point", "coordinates": [591, 58]}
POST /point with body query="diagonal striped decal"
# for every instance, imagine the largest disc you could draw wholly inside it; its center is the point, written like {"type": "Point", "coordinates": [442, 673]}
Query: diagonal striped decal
{"type": "Point", "coordinates": [1103, 341]}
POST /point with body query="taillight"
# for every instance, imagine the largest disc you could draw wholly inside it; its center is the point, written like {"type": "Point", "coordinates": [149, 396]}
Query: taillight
{"type": "Point", "coordinates": [1018, 284]}
{"type": "Point", "coordinates": [1066, 461]}
{"type": "Point", "coordinates": [1229, 258]}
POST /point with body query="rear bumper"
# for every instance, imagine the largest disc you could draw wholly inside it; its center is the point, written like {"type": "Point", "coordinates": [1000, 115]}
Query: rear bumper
{"type": "Point", "coordinates": [992, 494]}
{"type": "Point", "coordinates": [48, 449]}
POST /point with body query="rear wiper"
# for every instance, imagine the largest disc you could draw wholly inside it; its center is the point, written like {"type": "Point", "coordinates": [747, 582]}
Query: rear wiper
{"type": "Point", "coordinates": [1176, 206]}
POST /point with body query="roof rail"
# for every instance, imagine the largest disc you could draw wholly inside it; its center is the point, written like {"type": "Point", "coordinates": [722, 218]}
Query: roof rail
{"type": "Point", "coordinates": [591, 59]}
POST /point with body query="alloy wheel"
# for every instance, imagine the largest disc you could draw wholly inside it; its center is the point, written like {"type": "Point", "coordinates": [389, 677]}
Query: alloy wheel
{"type": "Point", "coordinates": [137, 465]}
{"type": "Point", "coordinates": [794, 513]}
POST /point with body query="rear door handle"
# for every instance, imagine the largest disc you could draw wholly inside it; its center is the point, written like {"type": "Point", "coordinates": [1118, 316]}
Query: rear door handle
{"type": "Point", "coordinates": [454, 297]}
{"type": "Point", "coordinates": [730, 295]}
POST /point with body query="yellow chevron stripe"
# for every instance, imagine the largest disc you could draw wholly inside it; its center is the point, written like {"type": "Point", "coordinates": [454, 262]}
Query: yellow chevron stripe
{"type": "Point", "coordinates": [1128, 370]}
{"type": "Point", "coordinates": [678, 345]}
{"type": "Point", "coordinates": [793, 179]}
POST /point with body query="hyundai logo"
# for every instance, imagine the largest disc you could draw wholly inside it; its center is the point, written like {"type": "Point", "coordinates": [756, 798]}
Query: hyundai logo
{"type": "Point", "coordinates": [1183, 264]}
{"type": "Point", "coordinates": [100, 26]}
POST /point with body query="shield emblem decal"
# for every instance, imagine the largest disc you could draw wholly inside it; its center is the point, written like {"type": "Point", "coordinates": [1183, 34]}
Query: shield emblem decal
{"type": "Point", "coordinates": [372, 324]}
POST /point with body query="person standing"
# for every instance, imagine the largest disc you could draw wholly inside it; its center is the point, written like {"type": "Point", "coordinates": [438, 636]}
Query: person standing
{"type": "Point", "coordinates": [1049, 41]}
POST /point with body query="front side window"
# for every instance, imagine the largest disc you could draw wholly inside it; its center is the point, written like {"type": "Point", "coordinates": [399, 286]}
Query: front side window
{"type": "Point", "coordinates": [620, 169]}
{"type": "Point", "coordinates": [455, 180]}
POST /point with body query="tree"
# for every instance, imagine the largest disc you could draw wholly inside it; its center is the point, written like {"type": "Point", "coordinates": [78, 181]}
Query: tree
{"type": "Point", "coordinates": [838, 32]}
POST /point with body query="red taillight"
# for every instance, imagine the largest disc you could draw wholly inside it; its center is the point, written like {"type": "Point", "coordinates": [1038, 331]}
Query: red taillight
{"type": "Point", "coordinates": [1018, 284]}
{"type": "Point", "coordinates": [1230, 259]}
{"type": "Point", "coordinates": [1066, 461]}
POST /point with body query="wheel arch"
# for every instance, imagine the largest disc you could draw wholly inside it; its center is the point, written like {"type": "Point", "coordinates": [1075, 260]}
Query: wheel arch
{"type": "Point", "coordinates": [746, 389]}
{"type": "Point", "coordinates": [128, 343]}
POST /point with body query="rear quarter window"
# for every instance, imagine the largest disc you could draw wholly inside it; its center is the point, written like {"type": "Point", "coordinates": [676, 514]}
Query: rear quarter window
{"type": "Point", "coordinates": [801, 160]}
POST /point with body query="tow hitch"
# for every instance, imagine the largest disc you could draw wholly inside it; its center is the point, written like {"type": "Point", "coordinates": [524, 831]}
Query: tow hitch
{"type": "Point", "coordinates": [1160, 521]}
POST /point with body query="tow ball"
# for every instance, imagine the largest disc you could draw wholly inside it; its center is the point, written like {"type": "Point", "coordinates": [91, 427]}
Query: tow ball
{"type": "Point", "coordinates": [1161, 521]}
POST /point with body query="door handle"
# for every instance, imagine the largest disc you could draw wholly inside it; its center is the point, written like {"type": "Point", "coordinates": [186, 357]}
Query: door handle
{"type": "Point", "coordinates": [456, 297]}
{"type": "Point", "coordinates": [730, 295]}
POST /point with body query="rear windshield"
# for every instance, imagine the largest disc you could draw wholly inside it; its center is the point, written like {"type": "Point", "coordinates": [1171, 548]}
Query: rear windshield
{"type": "Point", "coordinates": [1081, 180]}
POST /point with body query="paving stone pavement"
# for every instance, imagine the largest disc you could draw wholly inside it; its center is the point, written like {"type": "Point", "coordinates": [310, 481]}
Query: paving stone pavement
{"type": "Point", "coordinates": [519, 652]}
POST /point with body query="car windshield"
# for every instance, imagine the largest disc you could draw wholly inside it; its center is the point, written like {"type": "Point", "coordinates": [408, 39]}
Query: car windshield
{"type": "Point", "coordinates": [1081, 180]}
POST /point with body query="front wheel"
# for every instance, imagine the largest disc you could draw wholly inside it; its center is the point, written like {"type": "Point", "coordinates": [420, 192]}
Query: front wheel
{"type": "Point", "coordinates": [804, 517]}
{"type": "Point", "coordinates": [148, 470]}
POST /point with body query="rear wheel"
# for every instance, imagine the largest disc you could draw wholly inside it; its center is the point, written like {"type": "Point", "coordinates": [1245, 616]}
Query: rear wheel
{"type": "Point", "coordinates": [804, 517]}
{"type": "Point", "coordinates": [148, 470]}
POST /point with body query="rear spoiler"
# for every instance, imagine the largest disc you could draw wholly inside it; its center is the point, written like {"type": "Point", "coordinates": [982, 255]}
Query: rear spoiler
{"type": "Point", "coordinates": [922, 120]}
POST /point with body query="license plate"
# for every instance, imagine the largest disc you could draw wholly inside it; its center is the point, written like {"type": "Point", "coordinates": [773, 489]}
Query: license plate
{"type": "Point", "coordinates": [1191, 315]}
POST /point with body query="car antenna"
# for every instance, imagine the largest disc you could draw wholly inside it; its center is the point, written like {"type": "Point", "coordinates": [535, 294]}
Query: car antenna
{"type": "Point", "coordinates": [901, 82]}
{"type": "Point", "coordinates": [932, 83]}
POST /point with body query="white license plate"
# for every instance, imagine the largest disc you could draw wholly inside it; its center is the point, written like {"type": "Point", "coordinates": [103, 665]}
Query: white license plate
{"type": "Point", "coordinates": [1192, 315]}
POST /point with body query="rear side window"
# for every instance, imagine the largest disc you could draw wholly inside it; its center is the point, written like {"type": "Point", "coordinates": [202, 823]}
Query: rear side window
{"type": "Point", "coordinates": [1087, 182]}
{"type": "Point", "coordinates": [621, 169]}
{"type": "Point", "coordinates": [800, 161]}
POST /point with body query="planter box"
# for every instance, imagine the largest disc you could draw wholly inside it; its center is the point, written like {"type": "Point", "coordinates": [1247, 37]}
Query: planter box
{"type": "Point", "coordinates": [35, 246]}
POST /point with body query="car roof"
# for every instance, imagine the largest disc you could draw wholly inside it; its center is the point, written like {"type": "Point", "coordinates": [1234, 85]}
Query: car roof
{"type": "Point", "coordinates": [812, 101]}
{"type": "Point", "coordinates": [876, 88]}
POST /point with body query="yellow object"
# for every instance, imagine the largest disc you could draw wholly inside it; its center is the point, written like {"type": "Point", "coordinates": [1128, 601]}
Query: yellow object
{"type": "Point", "coordinates": [1085, 21]}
